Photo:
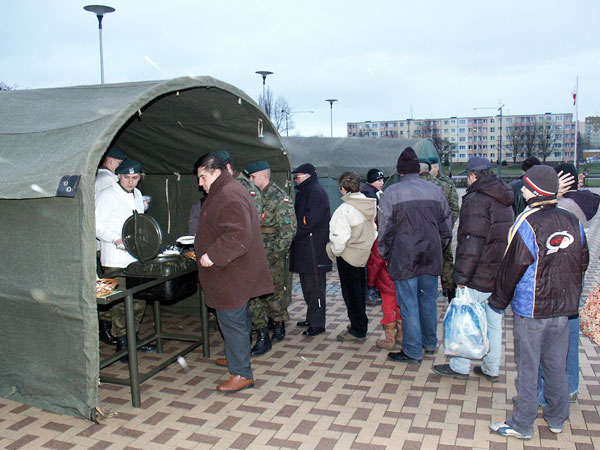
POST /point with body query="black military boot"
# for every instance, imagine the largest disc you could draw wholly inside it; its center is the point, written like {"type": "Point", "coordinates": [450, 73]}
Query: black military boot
{"type": "Point", "coordinates": [263, 342]}
{"type": "Point", "coordinates": [122, 345]}
{"type": "Point", "coordinates": [278, 331]}
{"type": "Point", "coordinates": [451, 293]}
{"type": "Point", "coordinates": [104, 331]}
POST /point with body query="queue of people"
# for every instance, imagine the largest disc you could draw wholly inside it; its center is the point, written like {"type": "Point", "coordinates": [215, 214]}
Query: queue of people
{"type": "Point", "coordinates": [395, 241]}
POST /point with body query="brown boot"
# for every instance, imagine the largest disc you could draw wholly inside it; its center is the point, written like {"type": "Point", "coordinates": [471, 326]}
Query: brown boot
{"type": "Point", "coordinates": [399, 332]}
{"type": "Point", "coordinates": [388, 342]}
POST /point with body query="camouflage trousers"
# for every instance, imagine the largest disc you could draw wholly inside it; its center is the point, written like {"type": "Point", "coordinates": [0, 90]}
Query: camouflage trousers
{"type": "Point", "coordinates": [116, 313]}
{"type": "Point", "coordinates": [448, 269]}
{"type": "Point", "coordinates": [272, 306]}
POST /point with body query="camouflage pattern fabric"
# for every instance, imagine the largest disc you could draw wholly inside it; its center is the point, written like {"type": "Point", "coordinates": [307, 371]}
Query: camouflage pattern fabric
{"type": "Point", "coordinates": [451, 195]}
{"type": "Point", "coordinates": [254, 192]}
{"type": "Point", "coordinates": [279, 228]}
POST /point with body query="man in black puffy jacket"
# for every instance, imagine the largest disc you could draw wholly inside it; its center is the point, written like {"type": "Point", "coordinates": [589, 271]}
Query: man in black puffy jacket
{"type": "Point", "coordinates": [541, 278]}
{"type": "Point", "coordinates": [485, 218]}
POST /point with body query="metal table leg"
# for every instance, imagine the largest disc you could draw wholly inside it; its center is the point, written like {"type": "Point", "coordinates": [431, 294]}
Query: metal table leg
{"type": "Point", "coordinates": [157, 326]}
{"type": "Point", "coordinates": [134, 375]}
{"type": "Point", "coordinates": [204, 320]}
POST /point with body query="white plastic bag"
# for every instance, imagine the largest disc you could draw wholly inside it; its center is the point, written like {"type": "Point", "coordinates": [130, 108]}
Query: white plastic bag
{"type": "Point", "coordinates": [465, 327]}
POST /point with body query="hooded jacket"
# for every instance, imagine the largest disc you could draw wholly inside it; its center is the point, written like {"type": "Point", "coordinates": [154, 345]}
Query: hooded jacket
{"type": "Point", "coordinates": [415, 225]}
{"type": "Point", "coordinates": [485, 218]}
{"type": "Point", "coordinates": [352, 229]}
{"type": "Point", "coordinates": [541, 274]}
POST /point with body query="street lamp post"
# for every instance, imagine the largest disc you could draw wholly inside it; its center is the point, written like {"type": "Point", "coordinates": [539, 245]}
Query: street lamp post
{"type": "Point", "coordinates": [499, 108]}
{"type": "Point", "coordinates": [264, 74]}
{"type": "Point", "coordinates": [331, 100]}
{"type": "Point", "coordinates": [100, 10]}
{"type": "Point", "coordinates": [287, 113]}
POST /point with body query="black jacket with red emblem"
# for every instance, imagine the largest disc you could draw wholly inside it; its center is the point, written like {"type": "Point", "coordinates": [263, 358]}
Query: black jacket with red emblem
{"type": "Point", "coordinates": [542, 271]}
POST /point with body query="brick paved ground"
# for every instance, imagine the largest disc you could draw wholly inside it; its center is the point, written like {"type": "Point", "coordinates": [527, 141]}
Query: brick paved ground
{"type": "Point", "coordinates": [312, 393]}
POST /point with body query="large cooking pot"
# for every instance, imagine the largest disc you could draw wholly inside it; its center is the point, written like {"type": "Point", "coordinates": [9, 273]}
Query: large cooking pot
{"type": "Point", "coordinates": [142, 238]}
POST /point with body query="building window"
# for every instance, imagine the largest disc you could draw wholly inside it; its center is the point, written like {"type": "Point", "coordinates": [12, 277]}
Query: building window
{"type": "Point", "coordinates": [462, 139]}
{"type": "Point", "coordinates": [452, 130]}
{"type": "Point", "coordinates": [461, 122]}
{"type": "Point", "coordinates": [453, 122]}
{"type": "Point", "coordinates": [508, 119]}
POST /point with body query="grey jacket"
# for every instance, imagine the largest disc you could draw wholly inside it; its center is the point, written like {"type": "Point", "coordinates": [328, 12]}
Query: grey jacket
{"type": "Point", "coordinates": [415, 225]}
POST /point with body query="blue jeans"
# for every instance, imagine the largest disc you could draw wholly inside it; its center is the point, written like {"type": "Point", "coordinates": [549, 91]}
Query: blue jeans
{"type": "Point", "coordinates": [417, 299]}
{"type": "Point", "coordinates": [490, 362]}
{"type": "Point", "coordinates": [572, 362]}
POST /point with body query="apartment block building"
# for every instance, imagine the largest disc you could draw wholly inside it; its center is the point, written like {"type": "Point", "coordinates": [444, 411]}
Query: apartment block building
{"type": "Point", "coordinates": [463, 137]}
{"type": "Point", "coordinates": [592, 131]}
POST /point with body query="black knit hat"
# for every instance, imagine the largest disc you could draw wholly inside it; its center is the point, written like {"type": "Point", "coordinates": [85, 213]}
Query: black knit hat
{"type": "Point", "coordinates": [305, 168]}
{"type": "Point", "coordinates": [529, 163]}
{"type": "Point", "coordinates": [408, 162]}
{"type": "Point", "coordinates": [541, 180]}
{"type": "Point", "coordinates": [373, 175]}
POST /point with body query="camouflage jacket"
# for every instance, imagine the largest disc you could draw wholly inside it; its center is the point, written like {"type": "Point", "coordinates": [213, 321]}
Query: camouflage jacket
{"type": "Point", "coordinates": [254, 193]}
{"type": "Point", "coordinates": [278, 220]}
{"type": "Point", "coordinates": [449, 192]}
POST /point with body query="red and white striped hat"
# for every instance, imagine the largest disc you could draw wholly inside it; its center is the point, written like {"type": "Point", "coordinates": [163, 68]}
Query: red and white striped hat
{"type": "Point", "coordinates": [541, 180]}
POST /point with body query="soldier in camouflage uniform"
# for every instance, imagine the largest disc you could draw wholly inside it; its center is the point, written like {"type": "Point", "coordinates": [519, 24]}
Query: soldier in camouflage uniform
{"type": "Point", "coordinates": [249, 185]}
{"type": "Point", "coordinates": [278, 227]}
{"type": "Point", "coordinates": [451, 194]}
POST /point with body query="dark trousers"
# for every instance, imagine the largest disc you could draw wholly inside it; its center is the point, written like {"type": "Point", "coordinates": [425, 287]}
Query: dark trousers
{"type": "Point", "coordinates": [314, 296]}
{"type": "Point", "coordinates": [353, 282]}
{"type": "Point", "coordinates": [236, 327]}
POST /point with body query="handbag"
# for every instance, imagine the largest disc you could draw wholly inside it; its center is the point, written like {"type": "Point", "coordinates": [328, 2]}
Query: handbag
{"type": "Point", "coordinates": [589, 318]}
{"type": "Point", "coordinates": [465, 327]}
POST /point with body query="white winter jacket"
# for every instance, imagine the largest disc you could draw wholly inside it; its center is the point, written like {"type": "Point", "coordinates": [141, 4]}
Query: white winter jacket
{"type": "Point", "coordinates": [104, 179]}
{"type": "Point", "coordinates": [352, 229]}
{"type": "Point", "coordinates": [113, 207]}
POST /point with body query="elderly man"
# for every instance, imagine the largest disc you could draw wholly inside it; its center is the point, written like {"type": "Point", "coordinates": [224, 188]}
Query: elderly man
{"type": "Point", "coordinates": [278, 227]}
{"type": "Point", "coordinates": [414, 227]}
{"type": "Point", "coordinates": [232, 265]}
{"type": "Point", "coordinates": [114, 206]}
{"type": "Point", "coordinates": [308, 257]}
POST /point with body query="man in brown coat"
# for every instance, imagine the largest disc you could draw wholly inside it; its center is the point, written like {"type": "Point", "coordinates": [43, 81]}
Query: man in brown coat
{"type": "Point", "coordinates": [232, 265]}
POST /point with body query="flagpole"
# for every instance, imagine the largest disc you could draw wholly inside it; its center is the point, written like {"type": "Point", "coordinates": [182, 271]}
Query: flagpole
{"type": "Point", "coordinates": [576, 122]}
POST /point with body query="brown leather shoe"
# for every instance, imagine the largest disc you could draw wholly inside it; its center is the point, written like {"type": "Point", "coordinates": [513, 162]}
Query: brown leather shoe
{"type": "Point", "coordinates": [235, 383]}
{"type": "Point", "coordinates": [221, 362]}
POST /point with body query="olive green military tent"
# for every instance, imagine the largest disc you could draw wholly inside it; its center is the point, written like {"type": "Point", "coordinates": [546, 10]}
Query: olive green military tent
{"type": "Point", "coordinates": [332, 156]}
{"type": "Point", "coordinates": [51, 142]}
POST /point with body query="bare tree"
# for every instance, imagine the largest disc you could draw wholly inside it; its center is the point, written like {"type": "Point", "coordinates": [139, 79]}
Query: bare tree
{"type": "Point", "coordinates": [7, 87]}
{"type": "Point", "coordinates": [545, 140]}
{"type": "Point", "coordinates": [429, 129]}
{"type": "Point", "coordinates": [530, 137]}
{"type": "Point", "coordinates": [515, 139]}
{"type": "Point", "coordinates": [278, 111]}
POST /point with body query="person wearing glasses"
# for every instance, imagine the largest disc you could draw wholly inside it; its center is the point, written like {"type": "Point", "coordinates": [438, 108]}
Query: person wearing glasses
{"type": "Point", "coordinates": [308, 256]}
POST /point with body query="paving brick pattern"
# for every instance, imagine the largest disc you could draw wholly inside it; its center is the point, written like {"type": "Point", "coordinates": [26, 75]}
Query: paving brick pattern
{"type": "Point", "coordinates": [312, 393]}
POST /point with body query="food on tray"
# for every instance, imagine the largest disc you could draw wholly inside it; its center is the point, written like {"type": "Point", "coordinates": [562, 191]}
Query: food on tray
{"type": "Point", "coordinates": [105, 286]}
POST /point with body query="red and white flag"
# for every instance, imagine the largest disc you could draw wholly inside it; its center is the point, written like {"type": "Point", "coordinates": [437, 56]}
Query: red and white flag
{"type": "Point", "coordinates": [574, 91]}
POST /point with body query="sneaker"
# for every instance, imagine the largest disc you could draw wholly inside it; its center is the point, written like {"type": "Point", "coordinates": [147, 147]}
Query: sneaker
{"type": "Point", "coordinates": [556, 430]}
{"type": "Point", "coordinates": [347, 336]}
{"type": "Point", "coordinates": [504, 430]}
{"type": "Point", "coordinates": [479, 371]}
{"type": "Point", "coordinates": [445, 371]}
{"type": "Point", "coordinates": [573, 397]}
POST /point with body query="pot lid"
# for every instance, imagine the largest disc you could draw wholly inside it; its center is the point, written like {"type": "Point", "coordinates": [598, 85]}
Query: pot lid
{"type": "Point", "coordinates": [142, 236]}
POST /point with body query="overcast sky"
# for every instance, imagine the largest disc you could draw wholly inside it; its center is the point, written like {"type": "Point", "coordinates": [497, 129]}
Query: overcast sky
{"type": "Point", "coordinates": [383, 60]}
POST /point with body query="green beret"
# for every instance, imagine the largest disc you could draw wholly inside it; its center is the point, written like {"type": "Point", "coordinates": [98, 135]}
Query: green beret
{"type": "Point", "coordinates": [117, 153]}
{"type": "Point", "coordinates": [129, 167]}
{"type": "Point", "coordinates": [224, 155]}
{"type": "Point", "coordinates": [257, 166]}
{"type": "Point", "coordinates": [433, 160]}
{"type": "Point", "coordinates": [425, 161]}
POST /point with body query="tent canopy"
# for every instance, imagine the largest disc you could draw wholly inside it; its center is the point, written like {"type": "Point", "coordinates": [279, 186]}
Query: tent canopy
{"type": "Point", "coordinates": [332, 156]}
{"type": "Point", "coordinates": [51, 142]}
